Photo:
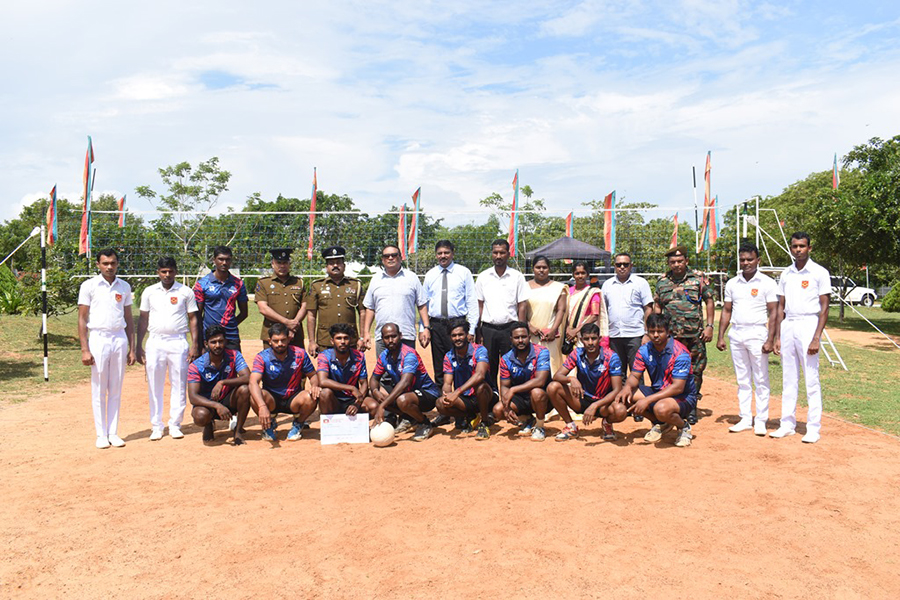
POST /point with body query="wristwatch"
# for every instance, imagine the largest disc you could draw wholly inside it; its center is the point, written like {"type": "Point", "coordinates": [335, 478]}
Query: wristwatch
{"type": "Point", "coordinates": [709, 325]}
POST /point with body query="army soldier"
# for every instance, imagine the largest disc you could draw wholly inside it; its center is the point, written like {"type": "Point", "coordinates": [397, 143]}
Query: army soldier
{"type": "Point", "coordinates": [682, 293]}
{"type": "Point", "coordinates": [334, 299]}
{"type": "Point", "coordinates": [280, 298]}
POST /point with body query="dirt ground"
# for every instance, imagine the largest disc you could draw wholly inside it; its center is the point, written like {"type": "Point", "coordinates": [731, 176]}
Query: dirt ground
{"type": "Point", "coordinates": [734, 515]}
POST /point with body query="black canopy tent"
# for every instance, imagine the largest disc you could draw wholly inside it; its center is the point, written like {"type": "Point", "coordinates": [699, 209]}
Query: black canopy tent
{"type": "Point", "coordinates": [566, 247]}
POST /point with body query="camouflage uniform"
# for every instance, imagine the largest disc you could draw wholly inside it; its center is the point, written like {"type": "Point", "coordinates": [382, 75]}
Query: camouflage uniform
{"type": "Point", "coordinates": [684, 301]}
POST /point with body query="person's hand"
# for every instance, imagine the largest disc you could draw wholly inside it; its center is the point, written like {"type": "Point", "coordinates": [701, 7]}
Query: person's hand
{"type": "Point", "coordinates": [549, 334]}
{"type": "Point", "coordinates": [360, 345]}
{"type": "Point", "coordinates": [706, 335]}
{"type": "Point", "coordinates": [720, 344]}
{"type": "Point", "coordinates": [293, 325]}
{"type": "Point", "coordinates": [589, 415]}
{"type": "Point", "coordinates": [139, 356]}
{"type": "Point", "coordinates": [367, 342]}
{"type": "Point", "coordinates": [314, 389]}
{"type": "Point", "coordinates": [358, 396]}
{"type": "Point", "coordinates": [576, 389]}
{"type": "Point", "coordinates": [265, 417]}
{"type": "Point", "coordinates": [639, 407]}
{"type": "Point", "coordinates": [453, 396]}
{"type": "Point", "coordinates": [767, 347]}
{"type": "Point", "coordinates": [216, 392]}
{"type": "Point", "coordinates": [535, 331]}
{"type": "Point", "coordinates": [506, 396]}
{"type": "Point", "coordinates": [379, 415]}
{"type": "Point", "coordinates": [571, 333]}
{"type": "Point", "coordinates": [443, 402]}
{"type": "Point", "coordinates": [193, 354]}
{"type": "Point", "coordinates": [352, 410]}
{"type": "Point", "coordinates": [624, 396]}
{"type": "Point", "coordinates": [131, 358]}
{"type": "Point", "coordinates": [813, 346]}
{"type": "Point", "coordinates": [223, 412]}
{"type": "Point", "coordinates": [312, 348]}
{"type": "Point", "coordinates": [424, 337]}
{"type": "Point", "coordinates": [471, 338]}
{"type": "Point", "coordinates": [511, 415]}
{"type": "Point", "coordinates": [87, 359]}
{"type": "Point", "coordinates": [777, 349]}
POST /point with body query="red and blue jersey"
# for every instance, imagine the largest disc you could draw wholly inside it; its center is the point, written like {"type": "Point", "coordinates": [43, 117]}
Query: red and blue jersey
{"type": "Point", "coordinates": [283, 377]}
{"type": "Point", "coordinates": [406, 361]}
{"type": "Point", "coordinates": [518, 372]}
{"type": "Point", "coordinates": [220, 300]}
{"type": "Point", "coordinates": [462, 369]}
{"type": "Point", "coordinates": [594, 377]}
{"type": "Point", "coordinates": [674, 362]}
{"type": "Point", "coordinates": [203, 372]}
{"type": "Point", "coordinates": [350, 373]}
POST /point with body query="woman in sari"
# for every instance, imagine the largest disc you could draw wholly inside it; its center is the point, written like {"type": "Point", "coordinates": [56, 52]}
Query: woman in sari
{"type": "Point", "coordinates": [585, 305]}
{"type": "Point", "coordinates": [546, 311]}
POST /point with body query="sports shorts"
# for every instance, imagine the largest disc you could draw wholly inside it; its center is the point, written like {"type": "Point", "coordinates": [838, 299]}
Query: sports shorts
{"type": "Point", "coordinates": [282, 404]}
{"type": "Point", "coordinates": [226, 402]}
{"type": "Point", "coordinates": [522, 404]}
{"type": "Point", "coordinates": [685, 405]}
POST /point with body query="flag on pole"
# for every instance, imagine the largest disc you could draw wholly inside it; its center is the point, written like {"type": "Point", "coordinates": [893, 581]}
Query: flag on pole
{"type": "Point", "coordinates": [674, 241]}
{"type": "Point", "coordinates": [401, 232]}
{"type": "Point", "coordinates": [714, 220]}
{"type": "Point", "coordinates": [84, 238]}
{"type": "Point", "coordinates": [835, 175]}
{"type": "Point", "coordinates": [122, 211]}
{"type": "Point", "coordinates": [569, 225]}
{"type": "Point", "coordinates": [707, 199]}
{"type": "Point", "coordinates": [514, 218]}
{"type": "Point", "coordinates": [414, 223]}
{"type": "Point", "coordinates": [312, 215]}
{"type": "Point", "coordinates": [609, 221]}
{"type": "Point", "coordinates": [709, 233]}
{"type": "Point", "coordinates": [51, 218]}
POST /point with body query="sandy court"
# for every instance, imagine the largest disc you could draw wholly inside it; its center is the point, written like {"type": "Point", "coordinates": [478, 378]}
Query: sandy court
{"type": "Point", "coordinates": [732, 516]}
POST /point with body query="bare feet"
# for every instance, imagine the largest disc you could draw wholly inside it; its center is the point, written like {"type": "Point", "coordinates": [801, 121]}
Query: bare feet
{"type": "Point", "coordinates": [238, 440]}
{"type": "Point", "coordinates": [208, 432]}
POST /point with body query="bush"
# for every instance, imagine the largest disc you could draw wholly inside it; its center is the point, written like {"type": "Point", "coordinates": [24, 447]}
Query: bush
{"type": "Point", "coordinates": [10, 299]}
{"type": "Point", "coordinates": [891, 302]}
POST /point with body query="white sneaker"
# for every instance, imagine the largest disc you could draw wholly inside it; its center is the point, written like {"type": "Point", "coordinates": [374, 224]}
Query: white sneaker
{"type": "Point", "coordinates": [740, 426]}
{"type": "Point", "coordinates": [175, 432]}
{"type": "Point", "coordinates": [782, 431]}
{"type": "Point", "coordinates": [760, 428]}
{"type": "Point", "coordinates": [116, 441]}
{"type": "Point", "coordinates": [811, 437]}
{"type": "Point", "coordinates": [102, 442]}
{"type": "Point", "coordinates": [684, 437]}
{"type": "Point", "coordinates": [156, 434]}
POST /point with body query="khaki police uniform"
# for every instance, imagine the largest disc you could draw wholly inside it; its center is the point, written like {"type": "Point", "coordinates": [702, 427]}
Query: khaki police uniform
{"type": "Point", "coordinates": [284, 297]}
{"type": "Point", "coordinates": [333, 303]}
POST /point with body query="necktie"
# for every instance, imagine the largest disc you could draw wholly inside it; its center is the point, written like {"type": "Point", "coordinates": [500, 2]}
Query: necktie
{"type": "Point", "coordinates": [444, 293]}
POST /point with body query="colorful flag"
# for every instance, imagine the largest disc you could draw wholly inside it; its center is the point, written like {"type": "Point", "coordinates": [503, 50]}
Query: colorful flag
{"type": "Point", "coordinates": [122, 211]}
{"type": "Point", "coordinates": [84, 238]}
{"type": "Point", "coordinates": [674, 240]}
{"type": "Point", "coordinates": [707, 199]}
{"type": "Point", "coordinates": [569, 225]}
{"type": "Point", "coordinates": [401, 232]}
{"type": "Point", "coordinates": [714, 220]}
{"type": "Point", "coordinates": [414, 224]}
{"type": "Point", "coordinates": [609, 222]}
{"type": "Point", "coordinates": [51, 218]}
{"type": "Point", "coordinates": [835, 175]}
{"type": "Point", "coordinates": [513, 238]}
{"type": "Point", "coordinates": [312, 215]}
{"type": "Point", "coordinates": [709, 233]}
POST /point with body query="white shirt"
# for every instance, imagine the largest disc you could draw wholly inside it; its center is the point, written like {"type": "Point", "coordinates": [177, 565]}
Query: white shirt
{"type": "Point", "coordinates": [107, 302]}
{"type": "Point", "coordinates": [801, 289]}
{"type": "Point", "coordinates": [395, 300]}
{"type": "Point", "coordinates": [168, 308]}
{"type": "Point", "coordinates": [749, 298]}
{"type": "Point", "coordinates": [501, 295]}
{"type": "Point", "coordinates": [461, 300]}
{"type": "Point", "coordinates": [625, 302]}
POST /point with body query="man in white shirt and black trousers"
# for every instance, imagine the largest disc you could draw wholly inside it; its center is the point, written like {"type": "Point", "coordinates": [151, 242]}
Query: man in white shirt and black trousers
{"type": "Point", "coordinates": [502, 300]}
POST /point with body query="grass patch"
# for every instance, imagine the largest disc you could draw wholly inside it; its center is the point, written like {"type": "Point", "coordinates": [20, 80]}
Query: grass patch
{"type": "Point", "coordinates": [887, 322]}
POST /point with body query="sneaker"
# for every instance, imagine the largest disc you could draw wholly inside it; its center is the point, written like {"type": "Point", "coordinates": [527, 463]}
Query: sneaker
{"type": "Point", "coordinates": [538, 434]}
{"type": "Point", "coordinates": [742, 425]}
{"type": "Point", "coordinates": [760, 428]}
{"type": "Point", "coordinates": [269, 434]}
{"type": "Point", "coordinates": [441, 420]}
{"type": "Point", "coordinates": [782, 431]}
{"type": "Point", "coordinates": [116, 441]}
{"type": "Point", "coordinates": [684, 437]}
{"type": "Point", "coordinates": [483, 432]}
{"type": "Point", "coordinates": [102, 442]}
{"type": "Point", "coordinates": [569, 432]}
{"type": "Point", "coordinates": [637, 418]}
{"type": "Point", "coordinates": [423, 431]}
{"type": "Point", "coordinates": [156, 434]}
{"type": "Point", "coordinates": [296, 431]}
{"type": "Point", "coordinates": [609, 433]}
{"type": "Point", "coordinates": [811, 437]}
{"type": "Point", "coordinates": [232, 425]}
{"type": "Point", "coordinates": [527, 427]}
{"type": "Point", "coordinates": [465, 427]}
{"type": "Point", "coordinates": [405, 425]}
{"type": "Point", "coordinates": [175, 433]}
{"type": "Point", "coordinates": [692, 417]}
{"type": "Point", "coordinates": [656, 432]}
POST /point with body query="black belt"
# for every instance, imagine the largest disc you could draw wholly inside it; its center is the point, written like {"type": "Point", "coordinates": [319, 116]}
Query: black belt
{"type": "Point", "coordinates": [502, 326]}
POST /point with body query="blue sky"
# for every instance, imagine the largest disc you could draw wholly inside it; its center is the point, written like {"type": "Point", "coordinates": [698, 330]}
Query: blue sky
{"type": "Point", "coordinates": [384, 97]}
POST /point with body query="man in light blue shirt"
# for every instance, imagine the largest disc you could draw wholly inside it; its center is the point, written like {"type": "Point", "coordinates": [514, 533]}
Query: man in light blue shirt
{"type": "Point", "coordinates": [628, 303]}
{"type": "Point", "coordinates": [450, 293]}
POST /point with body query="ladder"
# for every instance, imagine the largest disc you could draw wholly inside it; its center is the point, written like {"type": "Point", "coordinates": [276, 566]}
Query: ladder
{"type": "Point", "coordinates": [837, 360]}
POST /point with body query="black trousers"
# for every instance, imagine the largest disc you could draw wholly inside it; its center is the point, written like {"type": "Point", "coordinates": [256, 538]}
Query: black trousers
{"type": "Point", "coordinates": [440, 346]}
{"type": "Point", "coordinates": [497, 343]}
{"type": "Point", "coordinates": [626, 348]}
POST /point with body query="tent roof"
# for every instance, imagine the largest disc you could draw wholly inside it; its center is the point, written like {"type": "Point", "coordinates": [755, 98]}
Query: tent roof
{"type": "Point", "coordinates": [566, 247]}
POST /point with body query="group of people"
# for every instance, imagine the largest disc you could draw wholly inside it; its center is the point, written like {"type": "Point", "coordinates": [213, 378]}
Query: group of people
{"type": "Point", "coordinates": [502, 348]}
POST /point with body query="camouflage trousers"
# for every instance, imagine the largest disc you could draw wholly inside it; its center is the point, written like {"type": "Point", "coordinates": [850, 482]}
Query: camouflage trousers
{"type": "Point", "coordinates": [697, 348]}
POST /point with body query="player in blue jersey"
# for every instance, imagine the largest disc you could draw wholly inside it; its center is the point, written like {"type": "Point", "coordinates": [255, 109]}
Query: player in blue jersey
{"type": "Point", "coordinates": [672, 393]}
{"type": "Point", "coordinates": [342, 375]}
{"type": "Point", "coordinates": [222, 297]}
{"type": "Point", "coordinates": [217, 386]}
{"type": "Point", "coordinates": [410, 391]}
{"type": "Point", "coordinates": [524, 374]}
{"type": "Point", "coordinates": [276, 384]}
{"type": "Point", "coordinates": [593, 391]}
{"type": "Point", "coordinates": [467, 395]}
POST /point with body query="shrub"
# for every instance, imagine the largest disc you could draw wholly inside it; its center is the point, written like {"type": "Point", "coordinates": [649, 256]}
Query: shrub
{"type": "Point", "coordinates": [891, 302]}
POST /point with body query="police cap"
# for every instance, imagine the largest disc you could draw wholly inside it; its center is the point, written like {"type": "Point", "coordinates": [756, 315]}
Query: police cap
{"type": "Point", "coordinates": [281, 253]}
{"type": "Point", "coordinates": [333, 252]}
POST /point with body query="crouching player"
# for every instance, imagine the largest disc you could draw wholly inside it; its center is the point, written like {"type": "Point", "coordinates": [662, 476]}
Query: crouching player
{"type": "Point", "coordinates": [524, 373]}
{"type": "Point", "coordinates": [467, 395]}
{"type": "Point", "coordinates": [342, 375]}
{"type": "Point", "coordinates": [409, 392]}
{"type": "Point", "coordinates": [672, 394]}
{"type": "Point", "coordinates": [276, 384]}
{"type": "Point", "coordinates": [217, 386]}
{"type": "Point", "coordinates": [593, 391]}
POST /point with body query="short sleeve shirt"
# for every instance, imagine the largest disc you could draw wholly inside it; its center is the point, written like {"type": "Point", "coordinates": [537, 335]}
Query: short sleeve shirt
{"type": "Point", "coordinates": [463, 369]}
{"type": "Point", "coordinates": [801, 289]}
{"type": "Point", "coordinates": [749, 299]}
{"type": "Point", "coordinates": [683, 301]}
{"type": "Point", "coordinates": [283, 377]}
{"type": "Point", "coordinates": [674, 362]}
{"type": "Point", "coordinates": [333, 303]}
{"type": "Point", "coordinates": [107, 303]}
{"type": "Point", "coordinates": [395, 300]}
{"type": "Point", "coordinates": [501, 295]}
{"type": "Point", "coordinates": [625, 302]}
{"type": "Point", "coordinates": [518, 372]}
{"type": "Point", "coordinates": [284, 297]}
{"type": "Point", "coordinates": [406, 361]}
{"type": "Point", "coordinates": [220, 301]}
{"type": "Point", "coordinates": [351, 373]}
{"type": "Point", "coordinates": [594, 376]}
{"type": "Point", "coordinates": [168, 308]}
{"type": "Point", "coordinates": [202, 371]}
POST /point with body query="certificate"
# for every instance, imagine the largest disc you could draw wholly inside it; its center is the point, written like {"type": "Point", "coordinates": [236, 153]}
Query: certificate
{"type": "Point", "coordinates": [344, 429]}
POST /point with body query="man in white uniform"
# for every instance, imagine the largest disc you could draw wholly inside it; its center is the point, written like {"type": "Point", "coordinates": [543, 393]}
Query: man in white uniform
{"type": "Point", "coordinates": [168, 311]}
{"type": "Point", "coordinates": [106, 331]}
{"type": "Point", "coordinates": [751, 303]}
{"type": "Point", "coordinates": [803, 295]}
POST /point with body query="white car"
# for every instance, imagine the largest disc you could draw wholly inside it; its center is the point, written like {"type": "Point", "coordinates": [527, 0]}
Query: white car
{"type": "Point", "coordinates": [852, 292]}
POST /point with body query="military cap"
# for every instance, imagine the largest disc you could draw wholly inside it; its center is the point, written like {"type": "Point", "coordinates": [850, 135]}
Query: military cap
{"type": "Point", "coordinates": [333, 252]}
{"type": "Point", "coordinates": [676, 251]}
{"type": "Point", "coordinates": [281, 253]}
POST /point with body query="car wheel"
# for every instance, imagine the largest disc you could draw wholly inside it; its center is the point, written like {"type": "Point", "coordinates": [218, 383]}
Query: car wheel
{"type": "Point", "coordinates": [868, 300]}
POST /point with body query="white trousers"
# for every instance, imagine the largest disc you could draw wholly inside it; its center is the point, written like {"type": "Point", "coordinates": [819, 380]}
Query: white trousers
{"type": "Point", "coordinates": [796, 335]}
{"type": "Point", "coordinates": [167, 353]}
{"type": "Point", "coordinates": [110, 352]}
{"type": "Point", "coordinates": [751, 367]}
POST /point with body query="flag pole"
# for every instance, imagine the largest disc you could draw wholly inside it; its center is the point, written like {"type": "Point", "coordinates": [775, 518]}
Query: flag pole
{"type": "Point", "coordinates": [44, 299]}
{"type": "Point", "coordinates": [696, 217]}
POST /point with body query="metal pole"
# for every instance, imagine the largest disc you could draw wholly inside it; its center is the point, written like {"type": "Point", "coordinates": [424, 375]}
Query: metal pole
{"type": "Point", "coordinates": [696, 218]}
{"type": "Point", "coordinates": [737, 238]}
{"type": "Point", "coordinates": [757, 221]}
{"type": "Point", "coordinates": [44, 300]}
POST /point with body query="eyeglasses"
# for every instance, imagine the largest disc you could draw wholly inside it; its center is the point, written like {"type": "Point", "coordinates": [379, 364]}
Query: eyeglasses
{"type": "Point", "coordinates": [391, 255]}
{"type": "Point", "coordinates": [623, 264]}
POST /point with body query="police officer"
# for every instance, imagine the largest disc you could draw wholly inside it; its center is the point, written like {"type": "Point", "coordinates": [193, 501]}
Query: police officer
{"type": "Point", "coordinates": [333, 299]}
{"type": "Point", "coordinates": [682, 293]}
{"type": "Point", "coordinates": [280, 298]}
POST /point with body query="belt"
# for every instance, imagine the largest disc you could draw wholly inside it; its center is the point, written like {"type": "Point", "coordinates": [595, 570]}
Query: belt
{"type": "Point", "coordinates": [501, 326]}
{"type": "Point", "coordinates": [108, 332]}
{"type": "Point", "coordinates": [801, 317]}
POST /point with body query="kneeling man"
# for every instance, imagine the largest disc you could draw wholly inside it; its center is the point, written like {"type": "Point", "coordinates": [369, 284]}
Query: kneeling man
{"type": "Point", "coordinates": [593, 391]}
{"type": "Point", "coordinates": [276, 384]}
{"type": "Point", "coordinates": [217, 386]}
{"type": "Point", "coordinates": [524, 373]}
{"type": "Point", "coordinates": [467, 395]}
{"type": "Point", "coordinates": [672, 394]}
{"type": "Point", "coordinates": [342, 375]}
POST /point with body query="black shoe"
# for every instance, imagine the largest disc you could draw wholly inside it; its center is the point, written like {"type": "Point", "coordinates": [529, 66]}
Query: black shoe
{"type": "Point", "coordinates": [692, 417]}
{"type": "Point", "coordinates": [441, 420]}
{"type": "Point", "coordinates": [637, 418]}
